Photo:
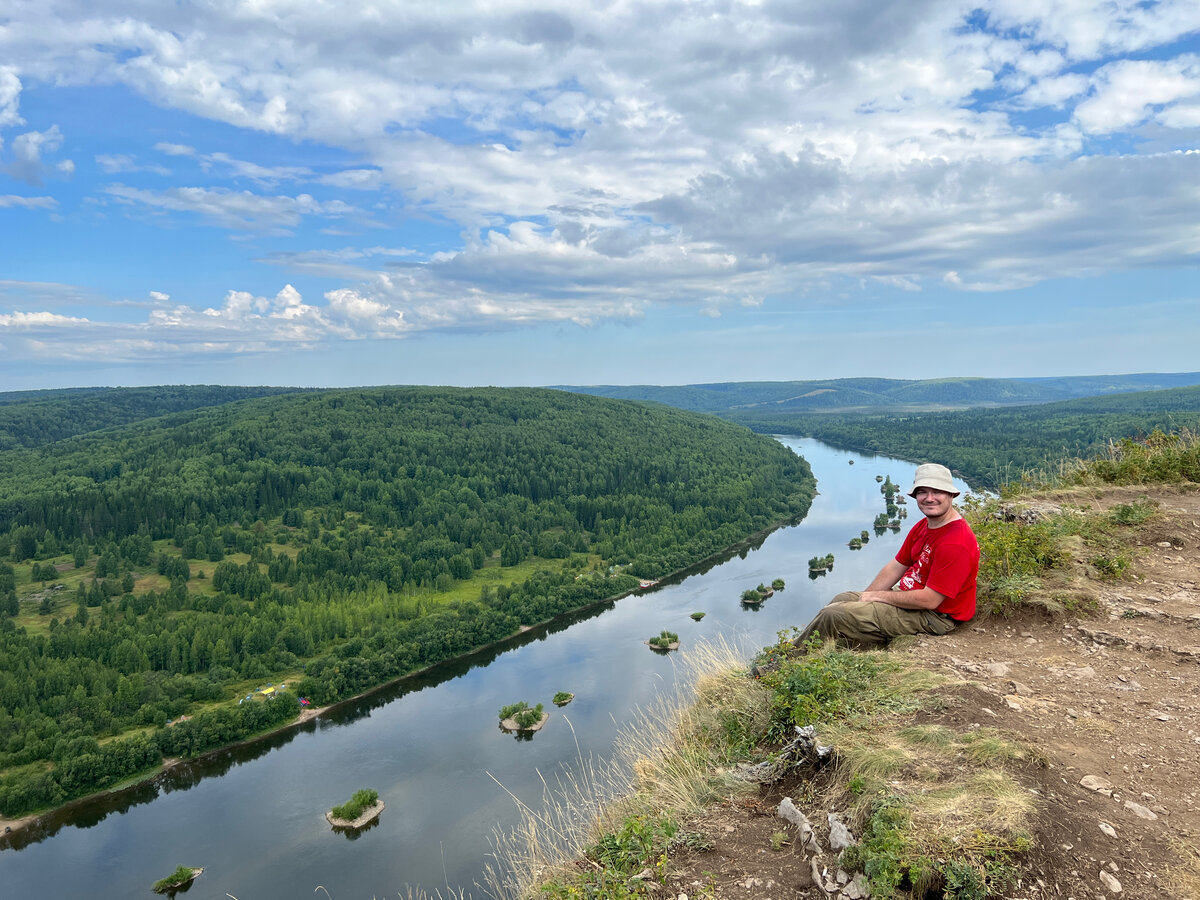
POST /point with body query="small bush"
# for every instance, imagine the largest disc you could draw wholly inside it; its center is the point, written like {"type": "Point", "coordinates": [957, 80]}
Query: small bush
{"type": "Point", "coordinates": [1112, 566]}
{"type": "Point", "coordinates": [818, 685]}
{"type": "Point", "coordinates": [362, 800]}
{"type": "Point", "coordinates": [1131, 513]}
{"type": "Point", "coordinates": [665, 639]}
{"type": "Point", "coordinates": [508, 712]}
{"type": "Point", "coordinates": [528, 717]}
{"type": "Point", "coordinates": [181, 875]}
{"type": "Point", "coordinates": [1013, 556]}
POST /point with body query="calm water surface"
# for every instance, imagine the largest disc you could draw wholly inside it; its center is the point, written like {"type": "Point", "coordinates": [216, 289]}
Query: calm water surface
{"type": "Point", "coordinates": [254, 816]}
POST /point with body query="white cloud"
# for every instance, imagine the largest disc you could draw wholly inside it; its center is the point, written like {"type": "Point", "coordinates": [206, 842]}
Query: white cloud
{"type": "Point", "coordinates": [10, 97]}
{"type": "Point", "coordinates": [1054, 91]}
{"type": "Point", "coordinates": [239, 210]}
{"type": "Point", "coordinates": [114, 163]}
{"type": "Point", "coordinates": [27, 149]}
{"type": "Point", "coordinates": [38, 319]}
{"type": "Point", "coordinates": [1129, 92]}
{"type": "Point", "coordinates": [174, 149]}
{"type": "Point", "coordinates": [12, 200]}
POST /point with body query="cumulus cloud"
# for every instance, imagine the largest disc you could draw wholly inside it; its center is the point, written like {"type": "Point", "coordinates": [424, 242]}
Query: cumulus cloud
{"type": "Point", "coordinates": [27, 149]}
{"type": "Point", "coordinates": [1129, 92]}
{"type": "Point", "coordinates": [10, 97]}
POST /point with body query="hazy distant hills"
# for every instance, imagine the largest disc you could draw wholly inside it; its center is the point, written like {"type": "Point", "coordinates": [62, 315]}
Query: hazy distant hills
{"type": "Point", "coordinates": [37, 418]}
{"type": "Point", "coordinates": [845, 394]}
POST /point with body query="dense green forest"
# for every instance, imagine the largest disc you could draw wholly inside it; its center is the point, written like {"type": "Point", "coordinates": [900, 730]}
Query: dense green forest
{"type": "Point", "coordinates": [333, 540]}
{"type": "Point", "coordinates": [885, 394]}
{"type": "Point", "coordinates": [990, 447]}
{"type": "Point", "coordinates": [36, 418]}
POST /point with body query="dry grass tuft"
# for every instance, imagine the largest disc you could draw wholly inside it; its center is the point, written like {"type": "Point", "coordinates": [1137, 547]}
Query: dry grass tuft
{"type": "Point", "coordinates": [988, 800]}
{"type": "Point", "coordinates": [1184, 882]}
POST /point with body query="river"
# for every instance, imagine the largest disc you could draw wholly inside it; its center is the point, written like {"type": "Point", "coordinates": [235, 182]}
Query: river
{"type": "Point", "coordinates": [254, 816]}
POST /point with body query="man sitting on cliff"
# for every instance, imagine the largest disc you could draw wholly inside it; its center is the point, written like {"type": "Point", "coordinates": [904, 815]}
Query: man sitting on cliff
{"type": "Point", "coordinates": [929, 588]}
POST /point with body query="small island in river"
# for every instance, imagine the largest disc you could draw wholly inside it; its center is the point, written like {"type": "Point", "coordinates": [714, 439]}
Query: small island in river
{"type": "Point", "coordinates": [363, 808]}
{"type": "Point", "coordinates": [181, 877]}
{"type": "Point", "coordinates": [522, 717]}
{"type": "Point", "coordinates": [664, 640]}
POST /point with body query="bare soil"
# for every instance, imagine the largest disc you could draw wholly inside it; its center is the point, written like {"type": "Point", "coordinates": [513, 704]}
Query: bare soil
{"type": "Point", "coordinates": [1113, 694]}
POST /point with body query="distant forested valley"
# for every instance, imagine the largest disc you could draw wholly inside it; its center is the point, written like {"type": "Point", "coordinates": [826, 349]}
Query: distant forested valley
{"type": "Point", "coordinates": [990, 447]}
{"type": "Point", "coordinates": [989, 430]}
{"type": "Point", "coordinates": [165, 552]}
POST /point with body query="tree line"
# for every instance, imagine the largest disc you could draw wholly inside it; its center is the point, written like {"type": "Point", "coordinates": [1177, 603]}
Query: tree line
{"type": "Point", "coordinates": [990, 447]}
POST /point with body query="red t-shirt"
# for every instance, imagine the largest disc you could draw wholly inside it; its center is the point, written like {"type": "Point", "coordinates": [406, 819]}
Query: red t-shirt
{"type": "Point", "coordinates": [945, 559]}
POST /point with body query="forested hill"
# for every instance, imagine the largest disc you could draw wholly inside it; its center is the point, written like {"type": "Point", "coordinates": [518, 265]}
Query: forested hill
{"type": "Point", "coordinates": [989, 447]}
{"type": "Point", "coordinates": [334, 539]}
{"type": "Point", "coordinates": [36, 418]}
{"type": "Point", "coordinates": [840, 394]}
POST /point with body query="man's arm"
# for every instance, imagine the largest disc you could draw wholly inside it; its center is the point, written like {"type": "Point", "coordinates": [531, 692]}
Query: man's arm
{"type": "Point", "coordinates": [880, 590]}
{"type": "Point", "coordinates": [887, 577]}
{"type": "Point", "coordinates": [922, 598]}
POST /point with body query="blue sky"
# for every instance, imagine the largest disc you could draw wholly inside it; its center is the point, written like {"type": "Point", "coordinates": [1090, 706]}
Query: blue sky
{"type": "Point", "coordinates": [321, 193]}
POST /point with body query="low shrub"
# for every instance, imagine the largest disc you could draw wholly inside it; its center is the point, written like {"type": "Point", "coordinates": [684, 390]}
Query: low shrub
{"type": "Point", "coordinates": [362, 800]}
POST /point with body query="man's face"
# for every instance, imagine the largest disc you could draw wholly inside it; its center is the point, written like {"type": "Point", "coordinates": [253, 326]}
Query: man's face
{"type": "Point", "coordinates": [932, 502]}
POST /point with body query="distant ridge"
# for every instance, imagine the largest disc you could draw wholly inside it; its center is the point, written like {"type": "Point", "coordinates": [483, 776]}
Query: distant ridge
{"type": "Point", "coordinates": [845, 394]}
{"type": "Point", "coordinates": [37, 418]}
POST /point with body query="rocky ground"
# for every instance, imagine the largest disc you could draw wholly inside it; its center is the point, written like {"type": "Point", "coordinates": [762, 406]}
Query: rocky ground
{"type": "Point", "coordinates": [1110, 700]}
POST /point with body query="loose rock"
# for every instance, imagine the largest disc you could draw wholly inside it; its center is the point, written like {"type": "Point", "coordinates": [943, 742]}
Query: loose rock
{"type": "Point", "coordinates": [839, 835]}
{"type": "Point", "coordinates": [1140, 811]}
{"type": "Point", "coordinates": [1110, 882]}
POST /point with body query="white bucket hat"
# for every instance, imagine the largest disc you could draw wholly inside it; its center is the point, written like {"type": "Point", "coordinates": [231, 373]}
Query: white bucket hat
{"type": "Point", "coordinates": [932, 475]}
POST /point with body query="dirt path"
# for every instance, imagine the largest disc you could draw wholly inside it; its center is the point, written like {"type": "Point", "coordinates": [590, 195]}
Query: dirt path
{"type": "Point", "coordinates": [1111, 701]}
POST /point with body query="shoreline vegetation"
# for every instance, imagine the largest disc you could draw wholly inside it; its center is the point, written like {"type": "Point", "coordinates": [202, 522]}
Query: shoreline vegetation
{"type": "Point", "coordinates": [15, 824]}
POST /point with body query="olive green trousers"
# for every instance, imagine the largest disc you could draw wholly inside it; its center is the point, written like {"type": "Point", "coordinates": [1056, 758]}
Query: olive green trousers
{"type": "Point", "coordinates": [860, 624]}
